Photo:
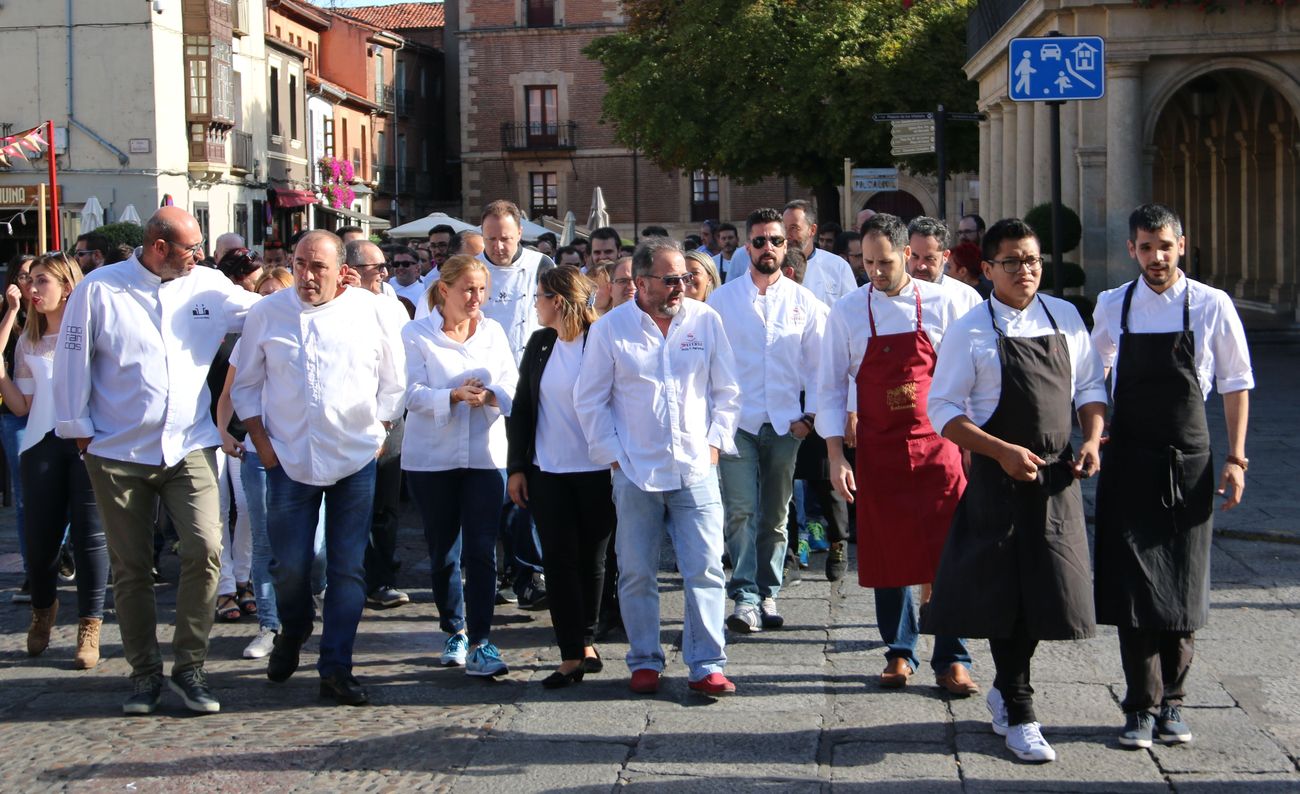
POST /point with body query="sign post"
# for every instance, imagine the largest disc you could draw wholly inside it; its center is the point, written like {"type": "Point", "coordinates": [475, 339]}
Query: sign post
{"type": "Point", "coordinates": [923, 133]}
{"type": "Point", "coordinates": [1055, 69]}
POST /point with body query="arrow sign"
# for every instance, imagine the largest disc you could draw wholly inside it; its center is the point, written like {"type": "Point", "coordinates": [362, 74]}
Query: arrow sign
{"type": "Point", "coordinates": [900, 116]}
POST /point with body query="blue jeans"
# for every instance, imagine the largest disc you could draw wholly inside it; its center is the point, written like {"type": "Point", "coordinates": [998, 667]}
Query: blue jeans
{"type": "Point", "coordinates": [254, 480]}
{"type": "Point", "coordinates": [461, 510]}
{"type": "Point", "coordinates": [756, 487]}
{"type": "Point", "coordinates": [292, 510]}
{"type": "Point", "coordinates": [693, 517]}
{"type": "Point", "coordinates": [12, 429]}
{"type": "Point", "coordinates": [896, 616]}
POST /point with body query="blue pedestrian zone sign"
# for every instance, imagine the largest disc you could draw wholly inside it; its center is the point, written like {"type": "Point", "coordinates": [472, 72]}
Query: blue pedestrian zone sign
{"type": "Point", "coordinates": [1056, 68]}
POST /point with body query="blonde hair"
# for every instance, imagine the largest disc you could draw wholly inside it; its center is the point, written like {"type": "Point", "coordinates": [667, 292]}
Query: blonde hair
{"type": "Point", "coordinates": [278, 274]}
{"type": "Point", "coordinates": [63, 270]}
{"type": "Point", "coordinates": [451, 271]}
{"type": "Point", "coordinates": [575, 291]}
{"type": "Point", "coordinates": [705, 261]}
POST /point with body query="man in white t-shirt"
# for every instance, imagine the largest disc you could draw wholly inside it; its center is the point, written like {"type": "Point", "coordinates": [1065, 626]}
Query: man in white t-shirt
{"type": "Point", "coordinates": [926, 257]}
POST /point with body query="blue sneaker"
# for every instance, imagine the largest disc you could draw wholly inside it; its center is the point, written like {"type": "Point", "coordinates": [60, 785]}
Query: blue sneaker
{"type": "Point", "coordinates": [455, 651]}
{"type": "Point", "coordinates": [817, 537]}
{"type": "Point", "coordinates": [803, 553]}
{"type": "Point", "coordinates": [485, 660]}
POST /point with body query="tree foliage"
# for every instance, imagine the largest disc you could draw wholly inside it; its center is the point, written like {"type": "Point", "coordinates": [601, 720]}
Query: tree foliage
{"type": "Point", "coordinates": [754, 88]}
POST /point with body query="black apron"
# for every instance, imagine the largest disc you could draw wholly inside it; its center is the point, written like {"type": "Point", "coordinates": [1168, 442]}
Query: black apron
{"type": "Point", "coordinates": [1155, 496]}
{"type": "Point", "coordinates": [1017, 552]}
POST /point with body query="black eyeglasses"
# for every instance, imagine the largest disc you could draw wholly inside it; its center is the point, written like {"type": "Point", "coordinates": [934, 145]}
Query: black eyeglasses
{"type": "Point", "coordinates": [1013, 266]}
{"type": "Point", "coordinates": [405, 264]}
{"type": "Point", "coordinates": [195, 250]}
{"type": "Point", "coordinates": [79, 254]}
{"type": "Point", "coordinates": [685, 279]}
{"type": "Point", "coordinates": [761, 242]}
{"type": "Point", "coordinates": [624, 281]}
{"type": "Point", "coordinates": [371, 265]}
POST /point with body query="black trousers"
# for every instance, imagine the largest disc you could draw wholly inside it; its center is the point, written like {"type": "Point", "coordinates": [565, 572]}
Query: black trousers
{"type": "Point", "coordinates": [1155, 666]}
{"type": "Point", "coordinates": [575, 519]}
{"type": "Point", "coordinates": [1011, 658]}
{"type": "Point", "coordinates": [56, 491]}
{"type": "Point", "coordinates": [381, 551]}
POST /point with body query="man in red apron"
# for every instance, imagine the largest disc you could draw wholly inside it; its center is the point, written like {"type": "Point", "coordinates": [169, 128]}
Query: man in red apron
{"type": "Point", "coordinates": [883, 343]}
{"type": "Point", "coordinates": [1166, 338]}
{"type": "Point", "coordinates": [1015, 567]}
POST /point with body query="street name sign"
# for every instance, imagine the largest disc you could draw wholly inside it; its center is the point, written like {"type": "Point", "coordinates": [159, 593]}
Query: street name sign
{"type": "Point", "coordinates": [869, 180]}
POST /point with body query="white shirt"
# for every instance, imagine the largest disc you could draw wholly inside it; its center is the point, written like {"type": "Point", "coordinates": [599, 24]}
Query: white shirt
{"type": "Point", "coordinates": [1221, 352]}
{"type": "Point", "coordinates": [829, 277]}
{"type": "Point", "coordinates": [655, 404]}
{"type": "Point", "coordinates": [776, 345]}
{"type": "Point", "coordinates": [134, 357]}
{"type": "Point", "coordinates": [963, 295]}
{"type": "Point", "coordinates": [560, 447]}
{"type": "Point", "coordinates": [34, 377]}
{"type": "Point", "coordinates": [412, 292]}
{"type": "Point", "coordinates": [511, 294]}
{"type": "Point", "coordinates": [323, 379]}
{"type": "Point", "coordinates": [848, 329]}
{"type": "Point", "coordinates": [440, 435]}
{"type": "Point", "coordinates": [724, 265]}
{"type": "Point", "coordinates": [968, 376]}
{"type": "Point", "coordinates": [387, 289]}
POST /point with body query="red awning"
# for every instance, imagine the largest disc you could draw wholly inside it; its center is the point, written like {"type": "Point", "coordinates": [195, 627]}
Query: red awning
{"type": "Point", "coordinates": [293, 198]}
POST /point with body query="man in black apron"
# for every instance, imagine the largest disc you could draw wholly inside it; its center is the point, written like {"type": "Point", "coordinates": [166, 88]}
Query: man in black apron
{"type": "Point", "coordinates": [1015, 567]}
{"type": "Point", "coordinates": [1165, 339]}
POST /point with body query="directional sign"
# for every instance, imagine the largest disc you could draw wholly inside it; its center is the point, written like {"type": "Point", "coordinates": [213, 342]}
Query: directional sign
{"type": "Point", "coordinates": [900, 116]}
{"type": "Point", "coordinates": [875, 179]}
{"type": "Point", "coordinates": [1056, 68]}
{"type": "Point", "coordinates": [912, 127]}
{"type": "Point", "coordinates": [911, 136]}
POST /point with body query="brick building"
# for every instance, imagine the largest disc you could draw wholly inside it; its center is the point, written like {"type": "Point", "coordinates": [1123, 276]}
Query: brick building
{"type": "Point", "coordinates": [530, 105]}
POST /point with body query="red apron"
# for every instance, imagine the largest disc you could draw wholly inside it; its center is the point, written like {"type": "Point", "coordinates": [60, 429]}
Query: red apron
{"type": "Point", "coordinates": [909, 477]}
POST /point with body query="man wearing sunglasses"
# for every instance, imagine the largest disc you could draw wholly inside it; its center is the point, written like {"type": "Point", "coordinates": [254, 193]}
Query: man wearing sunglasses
{"type": "Point", "coordinates": [657, 398]}
{"type": "Point", "coordinates": [92, 251]}
{"type": "Point", "coordinates": [775, 329]}
{"type": "Point", "coordinates": [137, 340]}
{"type": "Point", "coordinates": [406, 273]}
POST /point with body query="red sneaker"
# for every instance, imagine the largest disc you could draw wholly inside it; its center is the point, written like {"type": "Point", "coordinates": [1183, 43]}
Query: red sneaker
{"type": "Point", "coordinates": [714, 684]}
{"type": "Point", "coordinates": [645, 682]}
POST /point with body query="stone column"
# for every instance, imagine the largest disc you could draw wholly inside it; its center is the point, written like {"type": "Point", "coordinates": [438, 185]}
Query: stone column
{"type": "Point", "coordinates": [985, 152]}
{"type": "Point", "coordinates": [1094, 254]}
{"type": "Point", "coordinates": [1247, 209]}
{"type": "Point", "coordinates": [1025, 157]}
{"type": "Point", "coordinates": [1215, 224]}
{"type": "Point", "coordinates": [991, 179]}
{"type": "Point", "coordinates": [1124, 178]}
{"type": "Point", "coordinates": [1043, 153]}
{"type": "Point", "coordinates": [1276, 289]}
{"type": "Point", "coordinates": [1010, 163]}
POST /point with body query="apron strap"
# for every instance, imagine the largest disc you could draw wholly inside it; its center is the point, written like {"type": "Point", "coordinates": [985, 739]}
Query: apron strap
{"type": "Point", "coordinates": [1050, 318]}
{"type": "Point", "coordinates": [993, 318]}
{"type": "Point", "coordinates": [871, 317]}
{"type": "Point", "coordinates": [917, 293]}
{"type": "Point", "coordinates": [1187, 307]}
{"type": "Point", "coordinates": [1128, 301]}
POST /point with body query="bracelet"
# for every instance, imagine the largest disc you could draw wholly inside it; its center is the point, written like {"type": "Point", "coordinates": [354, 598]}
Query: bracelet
{"type": "Point", "coordinates": [1236, 461]}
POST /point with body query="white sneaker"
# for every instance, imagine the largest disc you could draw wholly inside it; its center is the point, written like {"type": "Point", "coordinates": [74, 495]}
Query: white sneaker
{"type": "Point", "coordinates": [1027, 742]}
{"type": "Point", "coordinates": [261, 644]}
{"type": "Point", "coordinates": [746, 619]}
{"type": "Point", "coordinates": [997, 710]}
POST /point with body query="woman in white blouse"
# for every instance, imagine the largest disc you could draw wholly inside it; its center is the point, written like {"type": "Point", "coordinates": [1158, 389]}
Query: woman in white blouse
{"type": "Point", "coordinates": [460, 375]}
{"type": "Point", "coordinates": [53, 475]}
{"type": "Point", "coordinates": [552, 473]}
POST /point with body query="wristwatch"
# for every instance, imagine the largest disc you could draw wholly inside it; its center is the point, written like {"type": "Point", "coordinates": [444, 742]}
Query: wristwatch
{"type": "Point", "coordinates": [1244, 463]}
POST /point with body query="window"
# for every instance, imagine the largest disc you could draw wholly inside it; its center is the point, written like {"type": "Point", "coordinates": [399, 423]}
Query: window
{"type": "Point", "coordinates": [704, 196]}
{"type": "Point", "coordinates": [241, 222]}
{"type": "Point", "coordinates": [293, 106]}
{"type": "Point", "coordinates": [197, 55]}
{"type": "Point", "coordinates": [381, 156]}
{"type": "Point", "coordinates": [223, 92]}
{"type": "Point", "coordinates": [543, 125]}
{"type": "Point", "coordinates": [275, 101]}
{"type": "Point", "coordinates": [423, 77]}
{"type": "Point", "coordinates": [541, 13]}
{"type": "Point", "coordinates": [401, 151]}
{"type": "Point", "coordinates": [544, 189]}
{"type": "Point", "coordinates": [328, 126]}
{"type": "Point", "coordinates": [259, 223]}
{"type": "Point", "coordinates": [379, 75]}
{"type": "Point", "coordinates": [200, 211]}
{"type": "Point", "coordinates": [359, 155]}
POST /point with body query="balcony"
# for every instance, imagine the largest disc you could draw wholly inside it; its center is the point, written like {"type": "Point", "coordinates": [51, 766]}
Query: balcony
{"type": "Point", "coordinates": [241, 152]}
{"type": "Point", "coordinates": [239, 17]}
{"type": "Point", "coordinates": [399, 100]}
{"type": "Point", "coordinates": [539, 137]}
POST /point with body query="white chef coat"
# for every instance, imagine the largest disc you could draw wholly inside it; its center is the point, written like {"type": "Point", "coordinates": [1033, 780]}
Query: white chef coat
{"type": "Point", "coordinates": [412, 292]}
{"type": "Point", "coordinates": [829, 277]}
{"type": "Point", "coordinates": [848, 329]}
{"type": "Point", "coordinates": [323, 379]}
{"type": "Point", "coordinates": [441, 435]}
{"type": "Point", "coordinates": [968, 376]}
{"type": "Point", "coordinates": [655, 404]}
{"type": "Point", "coordinates": [964, 295]}
{"type": "Point", "coordinates": [560, 447]}
{"type": "Point", "coordinates": [133, 361]}
{"type": "Point", "coordinates": [511, 294]}
{"type": "Point", "coordinates": [1221, 352]}
{"type": "Point", "coordinates": [776, 345]}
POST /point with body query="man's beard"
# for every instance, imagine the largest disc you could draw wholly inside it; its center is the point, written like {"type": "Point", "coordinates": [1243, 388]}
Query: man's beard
{"type": "Point", "coordinates": [766, 267]}
{"type": "Point", "coordinates": [670, 309]}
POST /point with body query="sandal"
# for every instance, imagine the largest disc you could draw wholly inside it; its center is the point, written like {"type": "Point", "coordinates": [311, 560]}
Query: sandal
{"type": "Point", "coordinates": [247, 603]}
{"type": "Point", "coordinates": [228, 609]}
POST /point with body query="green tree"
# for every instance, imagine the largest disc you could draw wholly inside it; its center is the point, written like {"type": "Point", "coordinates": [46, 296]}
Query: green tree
{"type": "Point", "coordinates": [755, 88]}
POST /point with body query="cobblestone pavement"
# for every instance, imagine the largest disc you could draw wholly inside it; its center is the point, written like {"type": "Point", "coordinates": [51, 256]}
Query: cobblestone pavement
{"type": "Point", "coordinates": [809, 716]}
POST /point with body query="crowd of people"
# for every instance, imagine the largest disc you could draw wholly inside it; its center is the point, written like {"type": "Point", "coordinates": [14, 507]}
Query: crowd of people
{"type": "Point", "coordinates": [573, 405]}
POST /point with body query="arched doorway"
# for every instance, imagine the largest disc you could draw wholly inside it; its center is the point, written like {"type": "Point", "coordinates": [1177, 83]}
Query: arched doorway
{"type": "Point", "coordinates": [1225, 158]}
{"type": "Point", "coordinates": [896, 202]}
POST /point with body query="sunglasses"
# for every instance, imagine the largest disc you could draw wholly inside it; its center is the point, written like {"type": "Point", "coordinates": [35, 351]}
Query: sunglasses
{"type": "Point", "coordinates": [761, 242]}
{"type": "Point", "coordinates": [685, 279]}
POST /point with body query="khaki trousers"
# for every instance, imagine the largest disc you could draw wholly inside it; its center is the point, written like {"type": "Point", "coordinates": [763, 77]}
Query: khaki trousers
{"type": "Point", "coordinates": [127, 495]}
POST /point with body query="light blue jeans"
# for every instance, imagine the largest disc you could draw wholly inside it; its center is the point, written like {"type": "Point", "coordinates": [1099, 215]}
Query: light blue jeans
{"type": "Point", "coordinates": [12, 429]}
{"type": "Point", "coordinates": [693, 518]}
{"type": "Point", "coordinates": [756, 488]}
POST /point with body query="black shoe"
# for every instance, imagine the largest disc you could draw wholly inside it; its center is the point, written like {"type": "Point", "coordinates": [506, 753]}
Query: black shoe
{"type": "Point", "coordinates": [506, 596]}
{"type": "Point", "coordinates": [192, 686]}
{"type": "Point", "coordinates": [837, 561]}
{"type": "Point", "coordinates": [283, 660]}
{"type": "Point", "coordinates": [67, 567]}
{"type": "Point", "coordinates": [344, 688]}
{"type": "Point", "coordinates": [558, 680]}
{"type": "Point", "coordinates": [593, 664]}
{"type": "Point", "coordinates": [148, 692]}
{"type": "Point", "coordinates": [791, 576]}
{"type": "Point", "coordinates": [532, 596]}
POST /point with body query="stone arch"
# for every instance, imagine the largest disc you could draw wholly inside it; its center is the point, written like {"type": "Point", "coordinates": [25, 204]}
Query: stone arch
{"type": "Point", "coordinates": [1278, 78]}
{"type": "Point", "coordinates": [908, 184]}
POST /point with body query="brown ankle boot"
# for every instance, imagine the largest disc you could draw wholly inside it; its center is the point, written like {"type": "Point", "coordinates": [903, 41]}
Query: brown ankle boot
{"type": "Point", "coordinates": [38, 636]}
{"type": "Point", "coordinates": [87, 644]}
